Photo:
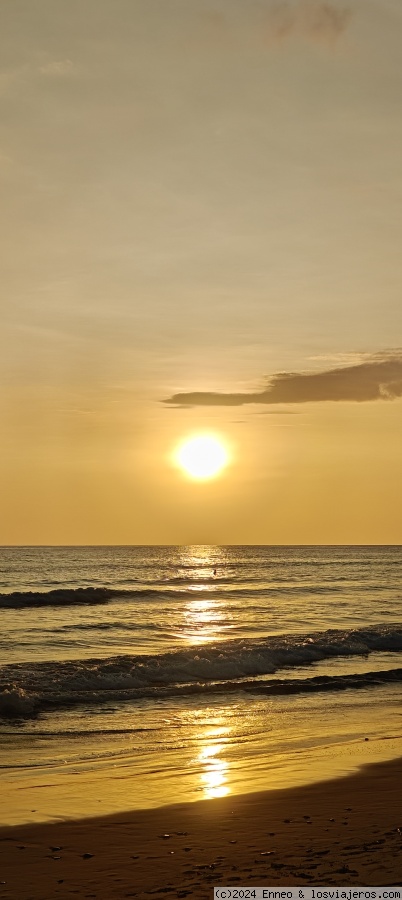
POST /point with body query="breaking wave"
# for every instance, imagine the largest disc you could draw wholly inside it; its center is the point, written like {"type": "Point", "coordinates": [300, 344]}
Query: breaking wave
{"type": "Point", "coordinates": [57, 597]}
{"type": "Point", "coordinates": [86, 596]}
{"type": "Point", "coordinates": [28, 688]}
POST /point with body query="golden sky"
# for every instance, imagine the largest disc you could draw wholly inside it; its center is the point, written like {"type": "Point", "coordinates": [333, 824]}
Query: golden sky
{"type": "Point", "coordinates": [201, 230]}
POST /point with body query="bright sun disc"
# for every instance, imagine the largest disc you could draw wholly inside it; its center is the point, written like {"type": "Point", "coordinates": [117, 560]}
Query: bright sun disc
{"type": "Point", "coordinates": [202, 457]}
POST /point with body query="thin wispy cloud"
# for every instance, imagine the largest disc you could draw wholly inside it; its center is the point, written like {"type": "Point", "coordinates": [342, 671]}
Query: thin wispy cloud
{"type": "Point", "coordinates": [58, 68]}
{"type": "Point", "coordinates": [378, 377]}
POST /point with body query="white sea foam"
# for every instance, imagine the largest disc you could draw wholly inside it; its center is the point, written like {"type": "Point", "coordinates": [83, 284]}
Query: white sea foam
{"type": "Point", "coordinates": [27, 688]}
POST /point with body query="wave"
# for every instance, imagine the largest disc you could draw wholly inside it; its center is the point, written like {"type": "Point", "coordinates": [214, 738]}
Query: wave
{"type": "Point", "coordinates": [57, 597]}
{"type": "Point", "coordinates": [97, 595]}
{"type": "Point", "coordinates": [106, 626]}
{"type": "Point", "coordinates": [18, 705]}
{"type": "Point", "coordinates": [28, 688]}
{"type": "Point", "coordinates": [82, 596]}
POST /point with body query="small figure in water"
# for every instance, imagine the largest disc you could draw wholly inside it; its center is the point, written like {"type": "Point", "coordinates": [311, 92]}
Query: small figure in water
{"type": "Point", "coordinates": [214, 571]}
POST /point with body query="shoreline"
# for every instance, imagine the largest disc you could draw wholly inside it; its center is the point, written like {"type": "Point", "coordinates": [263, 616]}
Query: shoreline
{"type": "Point", "coordinates": [339, 832]}
{"type": "Point", "coordinates": [58, 794]}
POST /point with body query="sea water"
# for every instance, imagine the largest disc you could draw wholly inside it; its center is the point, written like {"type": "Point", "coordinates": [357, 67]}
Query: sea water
{"type": "Point", "coordinates": [139, 676]}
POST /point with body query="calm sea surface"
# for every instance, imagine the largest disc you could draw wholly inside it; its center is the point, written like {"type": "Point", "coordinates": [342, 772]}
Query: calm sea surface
{"type": "Point", "coordinates": [173, 673]}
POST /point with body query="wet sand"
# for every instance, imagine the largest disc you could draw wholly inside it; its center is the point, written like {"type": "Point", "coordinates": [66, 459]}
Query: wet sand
{"type": "Point", "coordinates": [342, 832]}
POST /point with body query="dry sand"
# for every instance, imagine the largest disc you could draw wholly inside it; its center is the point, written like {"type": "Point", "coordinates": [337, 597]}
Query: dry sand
{"type": "Point", "coordinates": [341, 832]}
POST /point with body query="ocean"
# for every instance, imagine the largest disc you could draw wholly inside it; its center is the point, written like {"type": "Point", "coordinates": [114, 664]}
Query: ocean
{"type": "Point", "coordinates": [142, 676]}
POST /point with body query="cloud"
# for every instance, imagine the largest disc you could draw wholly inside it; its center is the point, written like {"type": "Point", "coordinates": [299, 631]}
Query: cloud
{"type": "Point", "coordinates": [317, 20]}
{"type": "Point", "coordinates": [377, 377]}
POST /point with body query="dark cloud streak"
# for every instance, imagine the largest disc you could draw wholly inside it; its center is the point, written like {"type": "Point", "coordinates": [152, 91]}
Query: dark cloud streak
{"type": "Point", "coordinates": [375, 378]}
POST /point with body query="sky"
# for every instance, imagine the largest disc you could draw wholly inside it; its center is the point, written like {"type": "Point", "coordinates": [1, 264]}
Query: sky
{"type": "Point", "coordinates": [201, 231]}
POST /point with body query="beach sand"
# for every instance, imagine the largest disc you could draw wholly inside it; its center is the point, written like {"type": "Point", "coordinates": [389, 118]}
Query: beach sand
{"type": "Point", "coordinates": [340, 832]}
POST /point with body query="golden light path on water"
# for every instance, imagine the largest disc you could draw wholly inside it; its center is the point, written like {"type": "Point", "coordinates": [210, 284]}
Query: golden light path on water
{"type": "Point", "coordinates": [204, 615]}
{"type": "Point", "coordinates": [214, 775]}
{"type": "Point", "coordinates": [202, 618]}
{"type": "Point", "coordinates": [211, 769]}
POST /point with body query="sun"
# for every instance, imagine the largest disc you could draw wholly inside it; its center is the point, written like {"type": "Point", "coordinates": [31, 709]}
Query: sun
{"type": "Point", "coordinates": [202, 456]}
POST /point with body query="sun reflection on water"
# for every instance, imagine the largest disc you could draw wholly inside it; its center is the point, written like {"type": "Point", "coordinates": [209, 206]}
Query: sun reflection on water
{"type": "Point", "coordinates": [212, 737]}
{"type": "Point", "coordinates": [203, 620]}
{"type": "Point", "coordinates": [205, 615]}
{"type": "Point", "coordinates": [214, 771]}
